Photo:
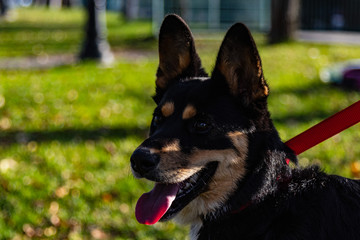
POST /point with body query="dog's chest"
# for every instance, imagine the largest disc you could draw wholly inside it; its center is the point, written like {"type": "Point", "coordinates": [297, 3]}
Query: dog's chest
{"type": "Point", "coordinates": [194, 231]}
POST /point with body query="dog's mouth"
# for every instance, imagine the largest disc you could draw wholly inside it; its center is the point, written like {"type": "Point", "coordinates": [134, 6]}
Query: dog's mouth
{"type": "Point", "coordinates": [165, 200]}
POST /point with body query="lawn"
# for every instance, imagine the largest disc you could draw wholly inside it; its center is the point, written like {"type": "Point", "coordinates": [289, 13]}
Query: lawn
{"type": "Point", "coordinates": [66, 133]}
{"type": "Point", "coordinates": [39, 31]}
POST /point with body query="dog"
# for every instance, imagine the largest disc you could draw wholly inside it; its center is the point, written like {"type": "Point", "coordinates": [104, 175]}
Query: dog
{"type": "Point", "coordinates": [217, 160]}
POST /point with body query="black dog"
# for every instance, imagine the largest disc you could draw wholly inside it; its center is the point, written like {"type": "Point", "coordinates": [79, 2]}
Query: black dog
{"type": "Point", "coordinates": [217, 160]}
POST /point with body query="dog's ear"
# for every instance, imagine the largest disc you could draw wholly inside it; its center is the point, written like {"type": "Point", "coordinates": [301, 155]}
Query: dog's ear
{"type": "Point", "coordinates": [177, 54]}
{"type": "Point", "coordinates": [239, 64]}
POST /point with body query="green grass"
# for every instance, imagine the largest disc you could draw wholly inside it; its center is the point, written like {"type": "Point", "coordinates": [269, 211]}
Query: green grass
{"type": "Point", "coordinates": [66, 133]}
{"type": "Point", "coordinates": [72, 132]}
{"type": "Point", "coordinates": [40, 31]}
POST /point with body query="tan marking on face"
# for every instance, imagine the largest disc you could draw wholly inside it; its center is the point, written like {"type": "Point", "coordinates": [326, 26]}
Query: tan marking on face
{"type": "Point", "coordinates": [240, 141]}
{"type": "Point", "coordinates": [154, 150]}
{"type": "Point", "coordinates": [172, 147]}
{"type": "Point", "coordinates": [172, 162]}
{"type": "Point", "coordinates": [231, 168]}
{"type": "Point", "coordinates": [168, 109]}
{"type": "Point", "coordinates": [176, 166]}
{"type": "Point", "coordinates": [189, 112]}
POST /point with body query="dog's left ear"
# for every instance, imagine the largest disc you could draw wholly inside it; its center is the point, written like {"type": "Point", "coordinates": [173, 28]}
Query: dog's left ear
{"type": "Point", "coordinates": [239, 64]}
{"type": "Point", "coordinates": [177, 54]}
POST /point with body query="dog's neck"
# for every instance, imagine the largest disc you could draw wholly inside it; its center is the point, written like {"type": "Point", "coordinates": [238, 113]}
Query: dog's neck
{"type": "Point", "coordinates": [266, 172]}
{"type": "Point", "coordinates": [267, 175]}
{"type": "Point", "coordinates": [238, 203]}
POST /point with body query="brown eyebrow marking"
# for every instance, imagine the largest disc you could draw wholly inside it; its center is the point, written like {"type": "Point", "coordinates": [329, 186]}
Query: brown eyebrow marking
{"type": "Point", "coordinates": [167, 109]}
{"type": "Point", "coordinates": [189, 112]}
{"type": "Point", "coordinates": [171, 147]}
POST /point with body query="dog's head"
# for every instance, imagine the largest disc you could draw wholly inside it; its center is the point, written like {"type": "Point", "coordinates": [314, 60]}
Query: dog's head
{"type": "Point", "coordinates": [198, 147]}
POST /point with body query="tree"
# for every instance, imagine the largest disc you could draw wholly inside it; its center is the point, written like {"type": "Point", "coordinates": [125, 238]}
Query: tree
{"type": "Point", "coordinates": [66, 3]}
{"type": "Point", "coordinates": [95, 45]}
{"type": "Point", "coordinates": [3, 7]}
{"type": "Point", "coordinates": [131, 9]}
{"type": "Point", "coordinates": [284, 20]}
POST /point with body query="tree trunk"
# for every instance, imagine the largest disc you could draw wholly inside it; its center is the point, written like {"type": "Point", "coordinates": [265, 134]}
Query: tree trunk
{"type": "Point", "coordinates": [131, 9]}
{"type": "Point", "coordinates": [284, 20]}
{"type": "Point", "coordinates": [184, 10]}
{"type": "Point", "coordinates": [3, 7]}
{"type": "Point", "coordinates": [95, 45]}
{"type": "Point", "coordinates": [66, 3]}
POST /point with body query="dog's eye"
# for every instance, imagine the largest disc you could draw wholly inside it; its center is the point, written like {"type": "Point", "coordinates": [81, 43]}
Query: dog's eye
{"type": "Point", "coordinates": [157, 120]}
{"type": "Point", "coordinates": [201, 126]}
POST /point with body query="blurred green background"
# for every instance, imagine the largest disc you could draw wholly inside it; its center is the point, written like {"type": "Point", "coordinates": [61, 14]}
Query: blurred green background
{"type": "Point", "coordinates": [67, 132]}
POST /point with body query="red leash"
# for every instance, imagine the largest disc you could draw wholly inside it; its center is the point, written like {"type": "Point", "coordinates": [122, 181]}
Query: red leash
{"type": "Point", "coordinates": [320, 132]}
{"type": "Point", "coordinates": [325, 129]}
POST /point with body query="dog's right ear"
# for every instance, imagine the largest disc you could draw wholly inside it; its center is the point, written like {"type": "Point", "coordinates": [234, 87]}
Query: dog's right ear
{"type": "Point", "coordinates": [177, 55]}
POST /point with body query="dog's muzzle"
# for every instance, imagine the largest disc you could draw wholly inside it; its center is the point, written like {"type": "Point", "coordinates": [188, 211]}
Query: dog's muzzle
{"type": "Point", "coordinates": [144, 162]}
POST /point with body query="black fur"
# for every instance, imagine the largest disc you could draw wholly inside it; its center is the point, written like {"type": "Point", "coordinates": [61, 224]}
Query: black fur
{"type": "Point", "coordinates": [312, 205]}
{"type": "Point", "coordinates": [272, 200]}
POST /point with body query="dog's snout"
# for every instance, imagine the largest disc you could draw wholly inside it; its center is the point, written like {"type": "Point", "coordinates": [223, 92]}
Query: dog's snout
{"type": "Point", "coordinates": [142, 161]}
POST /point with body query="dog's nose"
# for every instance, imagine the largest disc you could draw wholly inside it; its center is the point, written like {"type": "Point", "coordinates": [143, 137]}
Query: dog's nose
{"type": "Point", "coordinates": [142, 161]}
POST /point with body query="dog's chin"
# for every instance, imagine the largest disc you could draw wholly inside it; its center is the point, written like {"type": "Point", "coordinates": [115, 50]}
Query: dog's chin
{"type": "Point", "coordinates": [190, 189]}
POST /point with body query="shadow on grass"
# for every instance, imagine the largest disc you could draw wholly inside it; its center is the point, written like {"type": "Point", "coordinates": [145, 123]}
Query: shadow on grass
{"type": "Point", "coordinates": [309, 89]}
{"type": "Point", "coordinates": [30, 28]}
{"type": "Point", "coordinates": [315, 88]}
{"type": "Point", "coordinates": [138, 42]}
{"type": "Point", "coordinates": [70, 135]}
{"type": "Point", "coordinates": [315, 91]}
{"type": "Point", "coordinates": [303, 117]}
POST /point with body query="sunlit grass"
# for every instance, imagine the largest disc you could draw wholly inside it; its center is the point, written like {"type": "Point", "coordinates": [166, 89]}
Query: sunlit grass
{"type": "Point", "coordinates": [41, 31]}
{"type": "Point", "coordinates": [60, 98]}
{"type": "Point", "coordinates": [66, 133]}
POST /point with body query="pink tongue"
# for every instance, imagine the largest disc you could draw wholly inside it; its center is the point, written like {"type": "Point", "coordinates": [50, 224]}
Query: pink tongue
{"type": "Point", "coordinates": [153, 205]}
